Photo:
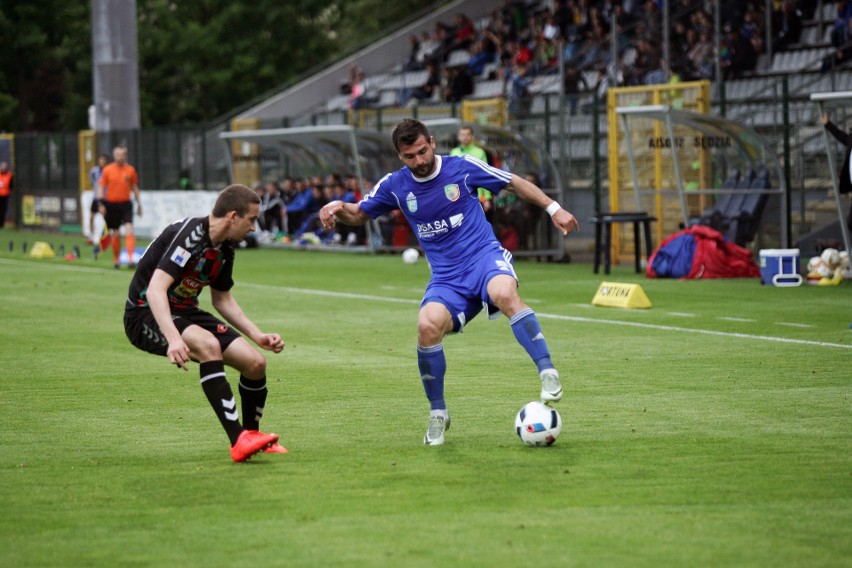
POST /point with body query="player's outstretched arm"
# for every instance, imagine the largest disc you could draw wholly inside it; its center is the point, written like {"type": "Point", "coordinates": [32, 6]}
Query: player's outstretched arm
{"type": "Point", "coordinates": [228, 307]}
{"type": "Point", "coordinates": [348, 213]}
{"type": "Point", "coordinates": [563, 219]}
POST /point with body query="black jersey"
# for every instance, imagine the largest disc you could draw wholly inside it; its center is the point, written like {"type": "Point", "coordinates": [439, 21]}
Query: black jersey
{"type": "Point", "coordinates": [185, 251]}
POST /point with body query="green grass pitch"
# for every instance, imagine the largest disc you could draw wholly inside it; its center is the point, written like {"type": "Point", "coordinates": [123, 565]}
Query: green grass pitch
{"type": "Point", "coordinates": [710, 430]}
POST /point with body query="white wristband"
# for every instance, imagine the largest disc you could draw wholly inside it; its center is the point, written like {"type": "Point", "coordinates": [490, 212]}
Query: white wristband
{"type": "Point", "coordinates": [553, 208]}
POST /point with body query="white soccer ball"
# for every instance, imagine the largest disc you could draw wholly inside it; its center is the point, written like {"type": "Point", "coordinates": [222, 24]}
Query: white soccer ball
{"type": "Point", "coordinates": [537, 424]}
{"type": "Point", "coordinates": [831, 257]}
{"type": "Point", "coordinates": [410, 256]}
{"type": "Point", "coordinates": [813, 263]}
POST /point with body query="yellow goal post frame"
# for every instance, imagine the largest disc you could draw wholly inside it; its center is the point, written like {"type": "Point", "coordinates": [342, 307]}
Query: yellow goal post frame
{"type": "Point", "coordinates": [692, 95]}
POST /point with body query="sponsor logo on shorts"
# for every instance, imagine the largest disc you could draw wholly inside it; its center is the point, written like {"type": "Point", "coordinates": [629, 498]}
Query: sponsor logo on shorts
{"type": "Point", "coordinates": [221, 328]}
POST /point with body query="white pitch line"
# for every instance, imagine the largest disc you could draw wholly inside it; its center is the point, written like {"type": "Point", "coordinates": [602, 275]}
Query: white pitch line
{"type": "Point", "coordinates": [328, 293]}
{"type": "Point", "coordinates": [791, 324]}
{"type": "Point", "coordinates": [680, 314]}
{"type": "Point", "coordinates": [700, 331]}
{"type": "Point", "coordinates": [331, 294]}
{"type": "Point", "coordinates": [741, 320]}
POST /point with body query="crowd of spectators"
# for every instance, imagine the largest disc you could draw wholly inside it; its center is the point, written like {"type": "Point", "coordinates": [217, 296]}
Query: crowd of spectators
{"type": "Point", "coordinates": [521, 40]}
{"type": "Point", "coordinates": [289, 213]}
{"type": "Point", "coordinates": [289, 209]}
{"type": "Point", "coordinates": [841, 36]}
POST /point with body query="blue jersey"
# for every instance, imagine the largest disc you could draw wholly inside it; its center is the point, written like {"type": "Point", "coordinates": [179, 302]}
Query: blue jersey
{"type": "Point", "coordinates": [442, 209]}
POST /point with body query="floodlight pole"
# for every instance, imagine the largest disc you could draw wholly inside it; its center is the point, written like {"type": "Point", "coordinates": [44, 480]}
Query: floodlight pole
{"type": "Point", "coordinates": [820, 99]}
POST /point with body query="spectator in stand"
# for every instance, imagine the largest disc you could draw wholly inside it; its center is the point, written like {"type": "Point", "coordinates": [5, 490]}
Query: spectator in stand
{"type": "Point", "coordinates": [842, 53]}
{"type": "Point", "coordinates": [351, 184]}
{"type": "Point", "coordinates": [523, 55]}
{"type": "Point", "coordinates": [572, 79]}
{"type": "Point", "coordinates": [464, 32]}
{"type": "Point", "coordinates": [515, 16]}
{"type": "Point", "coordinates": [482, 53]}
{"type": "Point", "coordinates": [551, 30]}
{"type": "Point", "coordinates": [303, 204]}
{"type": "Point", "coordinates": [700, 56]}
{"type": "Point", "coordinates": [840, 33]}
{"type": "Point", "coordinates": [426, 49]}
{"type": "Point", "coordinates": [345, 233]}
{"type": "Point", "coordinates": [360, 97]}
{"type": "Point", "coordinates": [659, 75]}
{"type": "Point", "coordinates": [425, 92]}
{"type": "Point", "coordinates": [287, 195]}
{"type": "Point", "coordinates": [520, 95]}
{"type": "Point", "coordinates": [310, 221]}
{"type": "Point", "coordinates": [443, 35]}
{"type": "Point", "coordinates": [271, 208]}
{"type": "Point", "coordinates": [739, 54]}
{"type": "Point", "coordinates": [546, 57]}
{"type": "Point", "coordinates": [412, 64]}
{"type": "Point", "coordinates": [459, 83]}
{"type": "Point", "coordinates": [787, 25]}
{"type": "Point", "coordinates": [623, 21]}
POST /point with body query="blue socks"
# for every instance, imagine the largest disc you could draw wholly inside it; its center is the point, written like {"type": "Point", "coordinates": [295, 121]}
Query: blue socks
{"type": "Point", "coordinates": [433, 367]}
{"type": "Point", "coordinates": [527, 331]}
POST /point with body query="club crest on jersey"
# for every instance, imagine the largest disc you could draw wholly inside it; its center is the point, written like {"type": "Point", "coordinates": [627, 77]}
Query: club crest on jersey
{"type": "Point", "coordinates": [451, 191]}
{"type": "Point", "coordinates": [411, 202]}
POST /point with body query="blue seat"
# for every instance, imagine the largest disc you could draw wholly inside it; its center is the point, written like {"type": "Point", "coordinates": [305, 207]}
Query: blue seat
{"type": "Point", "coordinates": [737, 215]}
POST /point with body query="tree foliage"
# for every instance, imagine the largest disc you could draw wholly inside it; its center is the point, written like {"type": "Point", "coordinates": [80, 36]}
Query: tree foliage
{"type": "Point", "coordinates": [198, 59]}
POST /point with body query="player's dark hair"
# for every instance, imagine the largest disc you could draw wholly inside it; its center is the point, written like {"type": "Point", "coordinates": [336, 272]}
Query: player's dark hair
{"type": "Point", "coordinates": [407, 132]}
{"type": "Point", "coordinates": [236, 198]}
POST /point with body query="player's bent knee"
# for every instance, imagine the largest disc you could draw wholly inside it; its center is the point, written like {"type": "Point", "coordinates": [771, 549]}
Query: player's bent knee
{"type": "Point", "coordinates": [429, 332]}
{"type": "Point", "coordinates": [203, 345]}
{"type": "Point", "coordinates": [256, 368]}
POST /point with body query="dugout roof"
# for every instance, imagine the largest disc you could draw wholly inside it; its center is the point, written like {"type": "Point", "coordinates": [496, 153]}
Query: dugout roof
{"type": "Point", "coordinates": [739, 146]}
{"type": "Point", "coordinates": [314, 150]}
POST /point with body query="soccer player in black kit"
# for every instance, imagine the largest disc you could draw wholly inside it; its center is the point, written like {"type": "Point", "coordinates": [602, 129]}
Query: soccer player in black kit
{"type": "Point", "coordinates": [162, 315]}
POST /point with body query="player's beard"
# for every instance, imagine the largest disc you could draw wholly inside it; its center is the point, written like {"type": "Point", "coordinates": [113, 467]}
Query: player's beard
{"type": "Point", "coordinates": [425, 169]}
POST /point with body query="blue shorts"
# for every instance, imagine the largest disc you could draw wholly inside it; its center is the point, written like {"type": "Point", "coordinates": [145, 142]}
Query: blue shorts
{"type": "Point", "coordinates": [466, 294]}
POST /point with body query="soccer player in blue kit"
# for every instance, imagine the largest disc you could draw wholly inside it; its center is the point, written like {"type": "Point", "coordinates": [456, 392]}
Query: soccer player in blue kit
{"type": "Point", "coordinates": [470, 270]}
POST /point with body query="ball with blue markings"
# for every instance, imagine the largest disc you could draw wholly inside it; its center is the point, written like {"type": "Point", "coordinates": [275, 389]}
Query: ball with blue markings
{"type": "Point", "coordinates": [538, 424]}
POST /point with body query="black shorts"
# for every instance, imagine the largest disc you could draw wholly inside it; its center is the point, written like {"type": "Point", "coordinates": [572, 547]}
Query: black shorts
{"type": "Point", "coordinates": [95, 206]}
{"type": "Point", "coordinates": [143, 332]}
{"type": "Point", "coordinates": [118, 214]}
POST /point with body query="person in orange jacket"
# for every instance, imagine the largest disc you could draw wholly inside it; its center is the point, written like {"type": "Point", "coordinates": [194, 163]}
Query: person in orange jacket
{"type": "Point", "coordinates": [6, 181]}
{"type": "Point", "coordinates": [118, 181]}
